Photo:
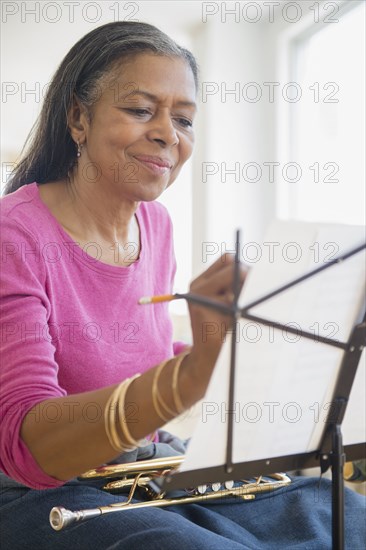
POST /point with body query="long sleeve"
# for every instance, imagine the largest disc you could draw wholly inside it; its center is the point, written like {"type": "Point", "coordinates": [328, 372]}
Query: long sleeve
{"type": "Point", "coordinates": [28, 372]}
{"type": "Point", "coordinates": [70, 323]}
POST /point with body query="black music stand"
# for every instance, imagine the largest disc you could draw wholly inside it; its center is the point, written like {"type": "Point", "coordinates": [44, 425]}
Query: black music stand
{"type": "Point", "coordinates": [331, 452]}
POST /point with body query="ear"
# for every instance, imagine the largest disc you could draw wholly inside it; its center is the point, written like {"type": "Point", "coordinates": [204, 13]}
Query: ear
{"type": "Point", "coordinates": [78, 121]}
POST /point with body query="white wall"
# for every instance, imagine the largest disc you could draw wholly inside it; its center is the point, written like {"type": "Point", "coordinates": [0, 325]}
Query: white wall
{"type": "Point", "coordinates": [231, 52]}
{"type": "Point", "coordinates": [227, 131]}
{"type": "Point", "coordinates": [236, 131]}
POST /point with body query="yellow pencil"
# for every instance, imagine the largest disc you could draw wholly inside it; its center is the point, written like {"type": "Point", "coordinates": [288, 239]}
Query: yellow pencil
{"type": "Point", "coordinates": [193, 298]}
{"type": "Point", "coordinates": [157, 299]}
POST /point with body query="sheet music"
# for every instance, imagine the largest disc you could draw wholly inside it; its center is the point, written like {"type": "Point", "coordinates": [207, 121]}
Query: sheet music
{"type": "Point", "coordinates": [284, 383]}
{"type": "Point", "coordinates": [354, 422]}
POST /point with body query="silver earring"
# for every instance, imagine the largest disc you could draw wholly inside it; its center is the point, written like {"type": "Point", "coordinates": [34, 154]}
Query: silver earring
{"type": "Point", "coordinates": [79, 147]}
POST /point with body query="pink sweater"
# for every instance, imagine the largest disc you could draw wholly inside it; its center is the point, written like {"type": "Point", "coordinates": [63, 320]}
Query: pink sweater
{"type": "Point", "coordinates": [70, 323]}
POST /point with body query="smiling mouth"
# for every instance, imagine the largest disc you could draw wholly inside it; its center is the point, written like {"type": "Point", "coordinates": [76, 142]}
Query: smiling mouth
{"type": "Point", "coordinates": [156, 165]}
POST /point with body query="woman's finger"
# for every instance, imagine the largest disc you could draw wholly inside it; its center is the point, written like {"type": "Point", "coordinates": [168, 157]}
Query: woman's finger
{"type": "Point", "coordinates": [217, 266]}
{"type": "Point", "coordinates": [218, 282]}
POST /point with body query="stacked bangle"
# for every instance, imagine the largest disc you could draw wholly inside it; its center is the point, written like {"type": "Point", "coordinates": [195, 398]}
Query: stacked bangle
{"type": "Point", "coordinates": [176, 396]}
{"type": "Point", "coordinates": [113, 413]}
{"type": "Point", "coordinates": [156, 399]}
{"type": "Point", "coordinates": [158, 402]}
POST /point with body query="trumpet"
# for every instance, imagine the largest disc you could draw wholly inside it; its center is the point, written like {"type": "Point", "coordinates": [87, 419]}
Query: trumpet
{"type": "Point", "coordinates": [141, 475]}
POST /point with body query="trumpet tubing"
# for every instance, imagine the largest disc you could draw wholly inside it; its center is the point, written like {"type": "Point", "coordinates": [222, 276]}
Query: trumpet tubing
{"type": "Point", "coordinates": [140, 474]}
{"type": "Point", "coordinates": [61, 518]}
{"type": "Point", "coordinates": [132, 468]}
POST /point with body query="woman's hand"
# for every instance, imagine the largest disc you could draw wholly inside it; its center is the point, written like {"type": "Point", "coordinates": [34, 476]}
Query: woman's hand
{"type": "Point", "coordinates": [209, 327]}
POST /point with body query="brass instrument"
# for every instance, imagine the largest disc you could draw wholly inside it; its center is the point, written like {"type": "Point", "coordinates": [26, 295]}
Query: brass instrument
{"type": "Point", "coordinates": [140, 474]}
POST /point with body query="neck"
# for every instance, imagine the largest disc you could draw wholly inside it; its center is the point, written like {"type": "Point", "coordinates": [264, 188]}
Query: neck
{"type": "Point", "coordinates": [102, 215]}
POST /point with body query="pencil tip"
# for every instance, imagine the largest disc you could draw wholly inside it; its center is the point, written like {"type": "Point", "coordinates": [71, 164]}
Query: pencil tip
{"type": "Point", "coordinates": [145, 300]}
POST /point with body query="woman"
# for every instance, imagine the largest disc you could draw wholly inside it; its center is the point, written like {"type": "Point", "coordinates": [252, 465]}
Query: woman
{"type": "Point", "coordinates": [83, 240]}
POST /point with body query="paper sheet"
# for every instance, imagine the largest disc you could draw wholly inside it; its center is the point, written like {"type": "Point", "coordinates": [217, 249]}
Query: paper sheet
{"type": "Point", "coordinates": [284, 382]}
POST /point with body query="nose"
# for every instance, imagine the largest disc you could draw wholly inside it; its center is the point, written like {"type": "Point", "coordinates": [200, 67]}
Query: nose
{"type": "Point", "coordinates": [162, 130]}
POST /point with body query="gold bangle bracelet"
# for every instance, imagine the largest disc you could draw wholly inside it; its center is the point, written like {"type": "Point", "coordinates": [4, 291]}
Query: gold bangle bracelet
{"type": "Point", "coordinates": [110, 417]}
{"type": "Point", "coordinates": [155, 392]}
{"type": "Point", "coordinates": [110, 422]}
{"type": "Point", "coordinates": [176, 396]}
{"type": "Point", "coordinates": [107, 424]}
{"type": "Point", "coordinates": [159, 398]}
{"type": "Point", "coordinates": [121, 413]}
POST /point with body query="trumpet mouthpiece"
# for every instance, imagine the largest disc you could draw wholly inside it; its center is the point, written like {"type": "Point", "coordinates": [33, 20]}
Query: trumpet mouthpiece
{"type": "Point", "coordinates": [61, 518]}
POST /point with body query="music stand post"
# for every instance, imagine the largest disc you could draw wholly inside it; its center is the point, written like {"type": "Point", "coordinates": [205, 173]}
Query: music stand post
{"type": "Point", "coordinates": [331, 452]}
{"type": "Point", "coordinates": [333, 435]}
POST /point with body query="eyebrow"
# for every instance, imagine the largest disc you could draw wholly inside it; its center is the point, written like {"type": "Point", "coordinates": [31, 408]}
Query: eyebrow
{"type": "Point", "coordinates": [154, 98]}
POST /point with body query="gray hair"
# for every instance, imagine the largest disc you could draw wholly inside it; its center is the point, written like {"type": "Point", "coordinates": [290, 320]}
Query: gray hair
{"type": "Point", "coordinates": [50, 153]}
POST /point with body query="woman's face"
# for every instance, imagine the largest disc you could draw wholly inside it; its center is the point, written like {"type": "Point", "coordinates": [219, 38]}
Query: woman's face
{"type": "Point", "coordinates": [140, 133]}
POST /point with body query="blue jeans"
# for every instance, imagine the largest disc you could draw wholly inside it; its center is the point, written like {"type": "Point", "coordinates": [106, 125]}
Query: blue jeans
{"type": "Point", "coordinates": [294, 517]}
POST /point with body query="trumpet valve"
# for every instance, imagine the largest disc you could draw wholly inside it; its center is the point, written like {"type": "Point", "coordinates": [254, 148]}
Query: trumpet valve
{"type": "Point", "coordinates": [201, 489]}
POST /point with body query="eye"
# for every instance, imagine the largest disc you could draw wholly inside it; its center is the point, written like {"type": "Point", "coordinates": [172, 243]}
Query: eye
{"type": "Point", "coordinates": [139, 112]}
{"type": "Point", "coordinates": [185, 122]}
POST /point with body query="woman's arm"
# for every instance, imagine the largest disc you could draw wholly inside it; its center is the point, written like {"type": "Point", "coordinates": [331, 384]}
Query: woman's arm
{"type": "Point", "coordinates": [73, 444]}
